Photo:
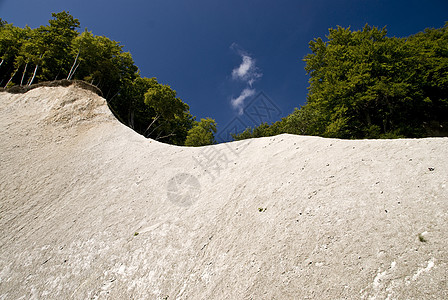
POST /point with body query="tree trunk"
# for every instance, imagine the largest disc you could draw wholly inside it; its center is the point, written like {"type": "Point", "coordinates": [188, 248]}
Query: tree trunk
{"type": "Point", "coordinates": [23, 75]}
{"type": "Point", "coordinates": [1, 63]}
{"type": "Point", "coordinates": [131, 119]}
{"type": "Point", "coordinates": [148, 135]}
{"type": "Point", "coordinates": [368, 119]}
{"type": "Point", "coordinates": [56, 78]}
{"type": "Point", "coordinates": [153, 121]}
{"type": "Point", "coordinates": [11, 77]}
{"type": "Point", "coordinates": [165, 136]}
{"type": "Point", "coordinates": [34, 75]}
{"type": "Point", "coordinates": [70, 75]}
{"type": "Point", "coordinates": [73, 73]}
{"type": "Point", "coordinates": [35, 71]}
{"type": "Point", "coordinates": [390, 118]}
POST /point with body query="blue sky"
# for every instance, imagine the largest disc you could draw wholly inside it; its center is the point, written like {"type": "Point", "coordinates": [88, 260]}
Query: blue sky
{"type": "Point", "coordinates": [218, 55]}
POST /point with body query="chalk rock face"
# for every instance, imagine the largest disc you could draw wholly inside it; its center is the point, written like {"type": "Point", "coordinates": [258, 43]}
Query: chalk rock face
{"type": "Point", "coordinates": [89, 209]}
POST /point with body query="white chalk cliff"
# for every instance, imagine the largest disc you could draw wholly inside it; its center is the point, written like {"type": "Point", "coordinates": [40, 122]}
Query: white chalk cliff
{"type": "Point", "coordinates": [89, 209]}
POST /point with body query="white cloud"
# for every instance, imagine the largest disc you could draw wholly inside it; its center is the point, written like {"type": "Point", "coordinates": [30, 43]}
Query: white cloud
{"type": "Point", "coordinates": [238, 103]}
{"type": "Point", "coordinates": [247, 71]}
{"type": "Point", "coordinates": [243, 70]}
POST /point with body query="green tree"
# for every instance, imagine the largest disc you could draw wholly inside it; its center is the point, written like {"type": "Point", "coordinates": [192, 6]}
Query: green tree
{"type": "Point", "coordinates": [30, 54]}
{"type": "Point", "coordinates": [363, 84]}
{"type": "Point", "coordinates": [261, 130]}
{"type": "Point", "coordinates": [153, 110]}
{"type": "Point", "coordinates": [302, 121]}
{"type": "Point", "coordinates": [202, 133]}
{"type": "Point", "coordinates": [129, 105]}
{"type": "Point", "coordinates": [58, 51]}
{"type": "Point", "coordinates": [102, 62]}
{"type": "Point", "coordinates": [44, 51]}
{"type": "Point", "coordinates": [429, 72]}
{"type": "Point", "coordinates": [172, 118]}
{"type": "Point", "coordinates": [11, 40]}
{"type": "Point", "coordinates": [55, 41]}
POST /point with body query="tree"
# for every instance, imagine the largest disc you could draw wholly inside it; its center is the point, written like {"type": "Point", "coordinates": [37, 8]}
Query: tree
{"type": "Point", "coordinates": [102, 62]}
{"type": "Point", "coordinates": [129, 104]}
{"type": "Point", "coordinates": [56, 41]}
{"type": "Point", "coordinates": [31, 52]}
{"type": "Point", "coordinates": [172, 118]}
{"type": "Point", "coordinates": [202, 133]}
{"type": "Point", "coordinates": [46, 48]}
{"type": "Point", "coordinates": [264, 129]}
{"type": "Point", "coordinates": [363, 84]}
{"type": "Point", "coordinates": [302, 121]}
{"type": "Point", "coordinates": [11, 39]}
{"type": "Point", "coordinates": [153, 110]}
{"type": "Point", "coordinates": [429, 66]}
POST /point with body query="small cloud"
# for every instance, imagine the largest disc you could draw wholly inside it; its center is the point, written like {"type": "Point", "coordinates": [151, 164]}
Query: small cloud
{"type": "Point", "coordinates": [243, 70]}
{"type": "Point", "coordinates": [247, 70]}
{"type": "Point", "coordinates": [248, 73]}
{"type": "Point", "coordinates": [238, 103]}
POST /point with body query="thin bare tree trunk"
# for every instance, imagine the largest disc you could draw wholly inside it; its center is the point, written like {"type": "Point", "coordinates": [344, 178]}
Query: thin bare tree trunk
{"type": "Point", "coordinates": [154, 129]}
{"type": "Point", "coordinates": [23, 75]}
{"type": "Point", "coordinates": [11, 77]}
{"type": "Point", "coordinates": [74, 71]}
{"type": "Point", "coordinates": [34, 75]}
{"type": "Point", "coordinates": [35, 71]}
{"type": "Point", "coordinates": [165, 136]}
{"type": "Point", "coordinates": [131, 119]}
{"type": "Point", "coordinates": [1, 63]}
{"type": "Point", "coordinates": [74, 63]}
{"type": "Point", "coordinates": [153, 121]}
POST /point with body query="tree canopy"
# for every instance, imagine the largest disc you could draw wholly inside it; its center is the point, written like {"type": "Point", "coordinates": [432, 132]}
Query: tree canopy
{"type": "Point", "coordinates": [202, 133]}
{"type": "Point", "coordinates": [363, 84]}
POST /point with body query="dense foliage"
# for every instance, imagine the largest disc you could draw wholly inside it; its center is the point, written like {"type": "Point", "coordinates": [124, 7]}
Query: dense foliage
{"type": "Point", "coordinates": [58, 51]}
{"type": "Point", "coordinates": [364, 84]}
{"type": "Point", "coordinates": [153, 110]}
{"type": "Point", "coordinates": [202, 133]}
